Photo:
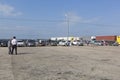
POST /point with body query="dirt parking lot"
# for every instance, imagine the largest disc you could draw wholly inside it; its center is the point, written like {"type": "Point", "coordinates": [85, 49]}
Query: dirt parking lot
{"type": "Point", "coordinates": [61, 63]}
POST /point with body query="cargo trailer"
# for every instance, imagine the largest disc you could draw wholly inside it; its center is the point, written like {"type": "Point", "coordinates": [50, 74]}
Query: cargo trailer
{"type": "Point", "coordinates": [106, 38]}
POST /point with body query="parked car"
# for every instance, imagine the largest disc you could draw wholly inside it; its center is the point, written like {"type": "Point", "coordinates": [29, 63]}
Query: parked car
{"type": "Point", "coordinates": [97, 43]}
{"type": "Point", "coordinates": [115, 44]}
{"type": "Point", "coordinates": [42, 43]}
{"type": "Point", "coordinates": [80, 43]}
{"type": "Point", "coordinates": [53, 43]}
{"type": "Point", "coordinates": [3, 43]}
{"type": "Point", "coordinates": [20, 43]}
{"type": "Point", "coordinates": [77, 43]}
{"type": "Point", "coordinates": [62, 43]}
{"type": "Point", "coordinates": [30, 43]}
{"type": "Point", "coordinates": [68, 43]}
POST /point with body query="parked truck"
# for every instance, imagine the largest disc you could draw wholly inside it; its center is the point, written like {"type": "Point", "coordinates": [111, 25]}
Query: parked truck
{"type": "Point", "coordinates": [118, 40]}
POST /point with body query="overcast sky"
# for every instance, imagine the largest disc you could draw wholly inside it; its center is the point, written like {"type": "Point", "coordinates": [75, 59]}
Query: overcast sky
{"type": "Point", "coordinates": [49, 18]}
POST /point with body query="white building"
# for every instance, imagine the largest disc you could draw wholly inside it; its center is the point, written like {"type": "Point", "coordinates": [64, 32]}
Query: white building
{"type": "Point", "coordinates": [65, 38]}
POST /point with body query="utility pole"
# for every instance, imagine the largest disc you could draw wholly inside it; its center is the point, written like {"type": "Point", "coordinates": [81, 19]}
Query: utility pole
{"type": "Point", "coordinates": [67, 21]}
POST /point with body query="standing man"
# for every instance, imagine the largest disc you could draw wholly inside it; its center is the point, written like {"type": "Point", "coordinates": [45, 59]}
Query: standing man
{"type": "Point", "coordinates": [9, 46]}
{"type": "Point", "coordinates": [14, 45]}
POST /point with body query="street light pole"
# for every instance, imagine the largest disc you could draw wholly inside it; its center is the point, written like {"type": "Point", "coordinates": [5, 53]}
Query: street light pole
{"type": "Point", "coordinates": [67, 20]}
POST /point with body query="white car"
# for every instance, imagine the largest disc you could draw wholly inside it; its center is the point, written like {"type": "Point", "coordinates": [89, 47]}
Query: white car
{"type": "Point", "coordinates": [77, 43]}
{"type": "Point", "coordinates": [20, 43]}
{"type": "Point", "coordinates": [62, 43]}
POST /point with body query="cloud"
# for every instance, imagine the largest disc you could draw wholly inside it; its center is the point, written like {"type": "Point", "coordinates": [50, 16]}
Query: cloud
{"type": "Point", "coordinates": [7, 10]}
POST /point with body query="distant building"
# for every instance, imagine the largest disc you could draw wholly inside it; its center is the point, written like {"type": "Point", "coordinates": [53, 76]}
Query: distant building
{"type": "Point", "coordinates": [86, 38]}
{"type": "Point", "coordinates": [65, 38]}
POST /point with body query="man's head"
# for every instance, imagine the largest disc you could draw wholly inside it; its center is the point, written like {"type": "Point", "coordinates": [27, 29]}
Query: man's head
{"type": "Point", "coordinates": [14, 37]}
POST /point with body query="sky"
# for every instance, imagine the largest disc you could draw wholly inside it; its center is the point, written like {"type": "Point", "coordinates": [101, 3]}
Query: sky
{"type": "Point", "coordinates": [59, 18]}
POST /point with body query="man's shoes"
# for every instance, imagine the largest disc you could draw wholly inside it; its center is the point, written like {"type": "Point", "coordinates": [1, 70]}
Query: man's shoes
{"type": "Point", "coordinates": [9, 53]}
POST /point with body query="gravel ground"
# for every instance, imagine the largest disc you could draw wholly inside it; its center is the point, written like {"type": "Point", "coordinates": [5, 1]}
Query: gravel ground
{"type": "Point", "coordinates": [61, 63]}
